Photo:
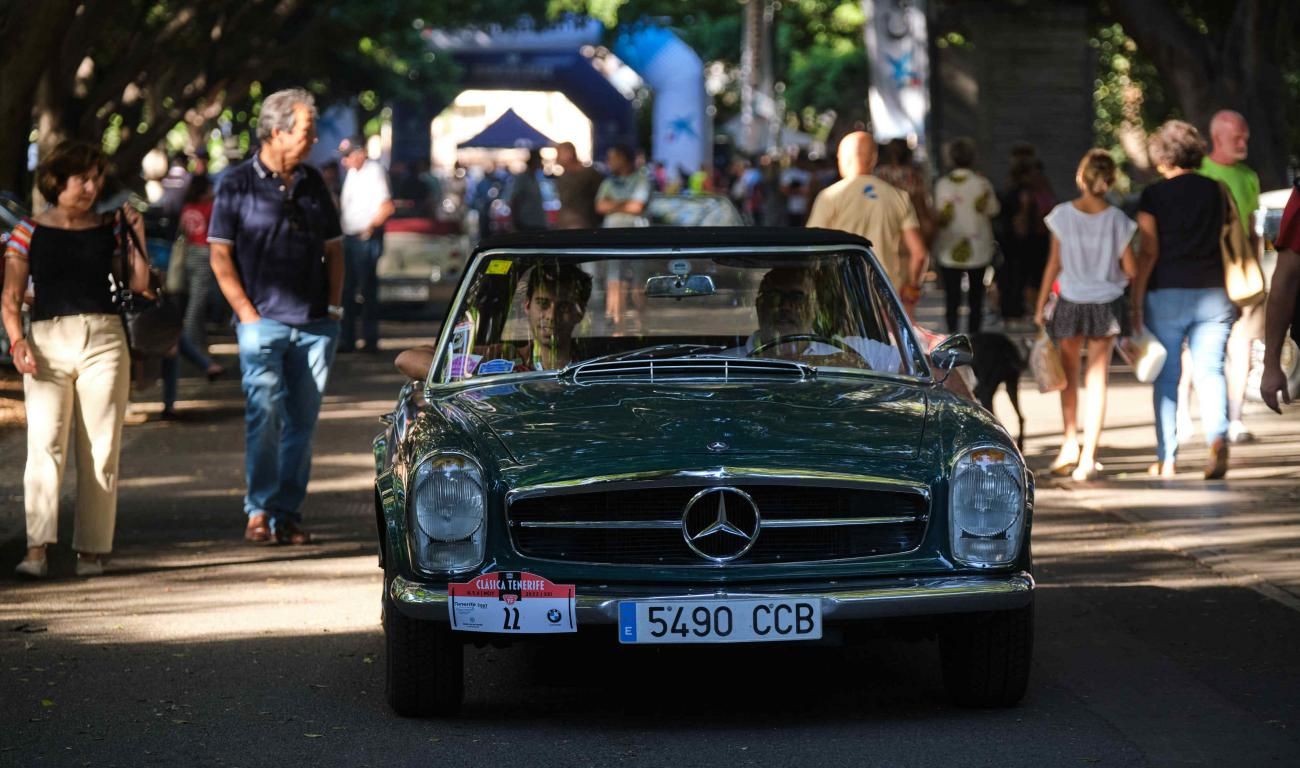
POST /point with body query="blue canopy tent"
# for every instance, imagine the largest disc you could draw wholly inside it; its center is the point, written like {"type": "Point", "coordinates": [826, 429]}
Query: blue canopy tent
{"type": "Point", "coordinates": [510, 131]}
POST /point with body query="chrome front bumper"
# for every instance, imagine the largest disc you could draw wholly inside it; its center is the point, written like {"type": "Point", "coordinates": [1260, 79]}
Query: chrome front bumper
{"type": "Point", "coordinates": [868, 599]}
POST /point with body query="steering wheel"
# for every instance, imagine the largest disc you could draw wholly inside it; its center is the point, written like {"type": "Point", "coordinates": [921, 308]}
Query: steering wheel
{"type": "Point", "coordinates": [779, 340]}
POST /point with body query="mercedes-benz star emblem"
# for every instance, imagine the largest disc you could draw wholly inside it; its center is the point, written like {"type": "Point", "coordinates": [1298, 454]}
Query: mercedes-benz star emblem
{"type": "Point", "coordinates": [717, 446]}
{"type": "Point", "coordinates": [721, 524]}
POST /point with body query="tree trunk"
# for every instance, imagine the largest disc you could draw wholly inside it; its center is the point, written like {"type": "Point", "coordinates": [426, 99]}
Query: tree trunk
{"type": "Point", "coordinates": [1242, 73]}
{"type": "Point", "coordinates": [27, 35]}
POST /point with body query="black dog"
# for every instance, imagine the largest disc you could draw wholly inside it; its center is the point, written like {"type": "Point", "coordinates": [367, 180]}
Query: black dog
{"type": "Point", "coordinates": [998, 362]}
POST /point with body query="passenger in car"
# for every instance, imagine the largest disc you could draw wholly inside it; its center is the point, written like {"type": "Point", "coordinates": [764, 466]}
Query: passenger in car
{"type": "Point", "coordinates": [555, 301]}
{"type": "Point", "coordinates": [786, 307]}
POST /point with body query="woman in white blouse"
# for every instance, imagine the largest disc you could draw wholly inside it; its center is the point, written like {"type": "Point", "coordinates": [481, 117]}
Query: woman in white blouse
{"type": "Point", "coordinates": [1093, 260]}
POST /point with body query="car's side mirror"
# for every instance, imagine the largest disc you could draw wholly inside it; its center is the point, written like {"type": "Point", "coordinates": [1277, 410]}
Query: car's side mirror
{"type": "Point", "coordinates": [952, 352]}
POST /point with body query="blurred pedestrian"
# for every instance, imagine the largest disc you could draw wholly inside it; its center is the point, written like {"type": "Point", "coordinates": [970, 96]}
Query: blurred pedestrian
{"type": "Point", "coordinates": [1179, 292]}
{"type": "Point", "coordinates": [576, 187]}
{"type": "Point", "coordinates": [277, 254]}
{"type": "Point", "coordinates": [526, 211]}
{"type": "Point", "coordinates": [965, 201]}
{"type": "Point", "coordinates": [1093, 259]}
{"type": "Point", "coordinates": [1230, 137]}
{"type": "Point", "coordinates": [1022, 234]}
{"type": "Point", "coordinates": [898, 168]}
{"type": "Point", "coordinates": [200, 282]}
{"type": "Point", "coordinates": [75, 362]}
{"type": "Point", "coordinates": [796, 183]}
{"type": "Point", "coordinates": [174, 185]}
{"type": "Point", "coordinates": [622, 199]}
{"type": "Point", "coordinates": [365, 204]}
{"type": "Point", "coordinates": [199, 287]}
{"type": "Point", "coordinates": [623, 195]}
{"type": "Point", "coordinates": [1283, 304]}
{"type": "Point", "coordinates": [864, 205]}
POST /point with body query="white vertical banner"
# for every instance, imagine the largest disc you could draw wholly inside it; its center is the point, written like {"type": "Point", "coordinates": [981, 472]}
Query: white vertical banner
{"type": "Point", "coordinates": [898, 52]}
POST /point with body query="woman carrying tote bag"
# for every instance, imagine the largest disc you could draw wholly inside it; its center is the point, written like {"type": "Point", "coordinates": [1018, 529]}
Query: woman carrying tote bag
{"type": "Point", "coordinates": [1179, 293]}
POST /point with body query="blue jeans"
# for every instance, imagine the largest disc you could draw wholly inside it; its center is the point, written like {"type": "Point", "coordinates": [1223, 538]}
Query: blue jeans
{"type": "Point", "coordinates": [284, 369]}
{"type": "Point", "coordinates": [1204, 317]}
{"type": "Point", "coordinates": [171, 368]}
{"type": "Point", "coordinates": [361, 290]}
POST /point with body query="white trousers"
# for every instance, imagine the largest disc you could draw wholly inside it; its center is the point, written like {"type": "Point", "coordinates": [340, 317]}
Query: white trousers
{"type": "Point", "coordinates": [82, 382]}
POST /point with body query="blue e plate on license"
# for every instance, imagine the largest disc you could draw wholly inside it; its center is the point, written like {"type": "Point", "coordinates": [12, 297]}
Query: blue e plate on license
{"type": "Point", "coordinates": [758, 620]}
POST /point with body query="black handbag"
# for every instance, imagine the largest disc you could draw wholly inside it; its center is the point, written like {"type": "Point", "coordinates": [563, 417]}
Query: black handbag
{"type": "Point", "coordinates": [153, 326]}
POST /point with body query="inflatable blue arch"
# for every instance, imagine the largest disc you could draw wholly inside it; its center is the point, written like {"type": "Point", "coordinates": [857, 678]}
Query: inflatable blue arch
{"type": "Point", "coordinates": [557, 59]}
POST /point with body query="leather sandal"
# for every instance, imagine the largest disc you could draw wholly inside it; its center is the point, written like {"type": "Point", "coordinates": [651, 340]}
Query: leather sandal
{"type": "Point", "coordinates": [259, 529]}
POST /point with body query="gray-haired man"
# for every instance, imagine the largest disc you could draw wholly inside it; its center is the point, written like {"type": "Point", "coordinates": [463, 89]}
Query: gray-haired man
{"type": "Point", "coordinates": [278, 257]}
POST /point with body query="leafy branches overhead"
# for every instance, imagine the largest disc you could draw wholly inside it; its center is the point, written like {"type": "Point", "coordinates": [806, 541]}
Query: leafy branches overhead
{"type": "Point", "coordinates": [138, 67]}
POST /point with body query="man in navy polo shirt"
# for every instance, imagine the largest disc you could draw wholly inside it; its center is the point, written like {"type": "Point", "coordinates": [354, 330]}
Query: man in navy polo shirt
{"type": "Point", "coordinates": [277, 253]}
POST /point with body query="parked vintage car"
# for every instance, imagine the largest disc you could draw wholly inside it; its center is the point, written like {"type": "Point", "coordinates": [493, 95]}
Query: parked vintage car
{"type": "Point", "coordinates": [422, 262]}
{"type": "Point", "coordinates": [772, 457]}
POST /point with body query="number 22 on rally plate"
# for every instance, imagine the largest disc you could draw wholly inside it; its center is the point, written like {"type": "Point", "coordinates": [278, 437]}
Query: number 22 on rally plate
{"type": "Point", "coordinates": [511, 602]}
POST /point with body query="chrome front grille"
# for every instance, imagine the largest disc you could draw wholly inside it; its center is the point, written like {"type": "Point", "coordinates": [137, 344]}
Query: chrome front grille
{"type": "Point", "coordinates": [643, 525]}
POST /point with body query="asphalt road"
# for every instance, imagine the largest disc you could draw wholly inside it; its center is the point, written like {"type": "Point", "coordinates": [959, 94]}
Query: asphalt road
{"type": "Point", "coordinates": [1168, 628]}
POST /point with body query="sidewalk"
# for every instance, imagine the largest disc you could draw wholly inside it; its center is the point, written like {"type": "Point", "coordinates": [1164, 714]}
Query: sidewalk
{"type": "Point", "coordinates": [1245, 528]}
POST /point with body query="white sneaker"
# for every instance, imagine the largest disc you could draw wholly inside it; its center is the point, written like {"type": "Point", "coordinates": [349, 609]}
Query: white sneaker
{"type": "Point", "coordinates": [33, 569]}
{"type": "Point", "coordinates": [89, 567]}
{"type": "Point", "coordinates": [1237, 433]}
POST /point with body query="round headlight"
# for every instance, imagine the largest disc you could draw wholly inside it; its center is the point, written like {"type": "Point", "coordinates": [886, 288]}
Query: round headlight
{"type": "Point", "coordinates": [448, 498]}
{"type": "Point", "coordinates": [987, 507]}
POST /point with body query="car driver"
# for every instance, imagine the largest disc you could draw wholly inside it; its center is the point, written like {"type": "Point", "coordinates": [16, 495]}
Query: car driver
{"type": "Point", "coordinates": [786, 305]}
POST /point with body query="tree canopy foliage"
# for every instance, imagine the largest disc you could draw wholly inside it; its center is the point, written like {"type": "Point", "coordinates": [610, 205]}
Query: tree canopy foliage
{"type": "Point", "coordinates": [132, 70]}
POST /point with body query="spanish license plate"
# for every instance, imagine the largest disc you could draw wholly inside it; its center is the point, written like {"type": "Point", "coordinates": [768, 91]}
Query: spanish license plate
{"type": "Point", "coordinates": [719, 621]}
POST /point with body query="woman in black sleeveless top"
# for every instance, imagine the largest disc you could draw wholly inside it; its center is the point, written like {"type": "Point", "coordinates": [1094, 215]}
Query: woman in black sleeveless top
{"type": "Point", "coordinates": [75, 362]}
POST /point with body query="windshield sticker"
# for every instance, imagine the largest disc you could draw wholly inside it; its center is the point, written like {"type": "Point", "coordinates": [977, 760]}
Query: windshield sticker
{"type": "Point", "coordinates": [498, 267]}
{"type": "Point", "coordinates": [512, 602]}
{"type": "Point", "coordinates": [462, 363]}
{"type": "Point", "coordinates": [463, 366]}
{"type": "Point", "coordinates": [500, 365]}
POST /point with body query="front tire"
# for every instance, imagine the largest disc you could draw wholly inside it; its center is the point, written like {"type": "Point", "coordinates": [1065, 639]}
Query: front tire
{"type": "Point", "coordinates": [986, 657]}
{"type": "Point", "coordinates": [424, 665]}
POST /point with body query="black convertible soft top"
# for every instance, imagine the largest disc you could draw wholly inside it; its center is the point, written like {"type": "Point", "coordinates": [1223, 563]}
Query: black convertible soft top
{"type": "Point", "coordinates": [669, 237]}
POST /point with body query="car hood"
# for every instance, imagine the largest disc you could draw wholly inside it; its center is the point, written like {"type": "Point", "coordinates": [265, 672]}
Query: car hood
{"type": "Point", "coordinates": [553, 421]}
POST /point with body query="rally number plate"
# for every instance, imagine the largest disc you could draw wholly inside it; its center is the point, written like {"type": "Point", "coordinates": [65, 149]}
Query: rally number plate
{"type": "Point", "coordinates": [719, 621]}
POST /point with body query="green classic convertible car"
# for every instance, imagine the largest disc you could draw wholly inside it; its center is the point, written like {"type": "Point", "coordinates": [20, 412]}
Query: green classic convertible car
{"type": "Point", "coordinates": [695, 436]}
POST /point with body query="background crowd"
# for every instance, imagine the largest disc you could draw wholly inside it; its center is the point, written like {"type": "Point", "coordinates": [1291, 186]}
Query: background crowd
{"type": "Point", "coordinates": [290, 250]}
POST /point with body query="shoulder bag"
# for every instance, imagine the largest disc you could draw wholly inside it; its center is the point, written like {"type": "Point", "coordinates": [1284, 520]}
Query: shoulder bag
{"type": "Point", "coordinates": [1242, 275]}
{"type": "Point", "coordinates": [153, 326]}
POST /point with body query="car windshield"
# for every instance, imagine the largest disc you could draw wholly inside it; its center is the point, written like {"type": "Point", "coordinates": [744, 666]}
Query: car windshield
{"type": "Point", "coordinates": [829, 310]}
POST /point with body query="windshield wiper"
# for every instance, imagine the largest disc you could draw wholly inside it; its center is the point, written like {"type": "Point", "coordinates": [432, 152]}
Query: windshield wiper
{"type": "Point", "coordinates": [651, 352]}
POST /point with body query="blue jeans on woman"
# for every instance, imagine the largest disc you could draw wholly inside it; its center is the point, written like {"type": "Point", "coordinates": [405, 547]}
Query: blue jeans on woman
{"type": "Point", "coordinates": [1204, 317]}
{"type": "Point", "coordinates": [284, 369]}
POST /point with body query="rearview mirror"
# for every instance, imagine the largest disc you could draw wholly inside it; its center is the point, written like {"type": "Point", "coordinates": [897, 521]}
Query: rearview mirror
{"type": "Point", "coordinates": [953, 352]}
{"type": "Point", "coordinates": [679, 286]}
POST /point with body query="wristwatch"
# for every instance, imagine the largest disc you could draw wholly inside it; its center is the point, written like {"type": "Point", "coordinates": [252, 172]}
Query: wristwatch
{"type": "Point", "coordinates": [335, 311]}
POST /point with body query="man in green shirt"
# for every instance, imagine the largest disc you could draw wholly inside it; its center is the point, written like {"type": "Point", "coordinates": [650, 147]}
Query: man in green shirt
{"type": "Point", "coordinates": [1226, 163]}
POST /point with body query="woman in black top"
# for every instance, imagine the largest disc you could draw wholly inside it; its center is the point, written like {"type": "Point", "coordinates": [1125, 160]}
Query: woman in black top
{"type": "Point", "coordinates": [1179, 292]}
{"type": "Point", "coordinates": [75, 363]}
